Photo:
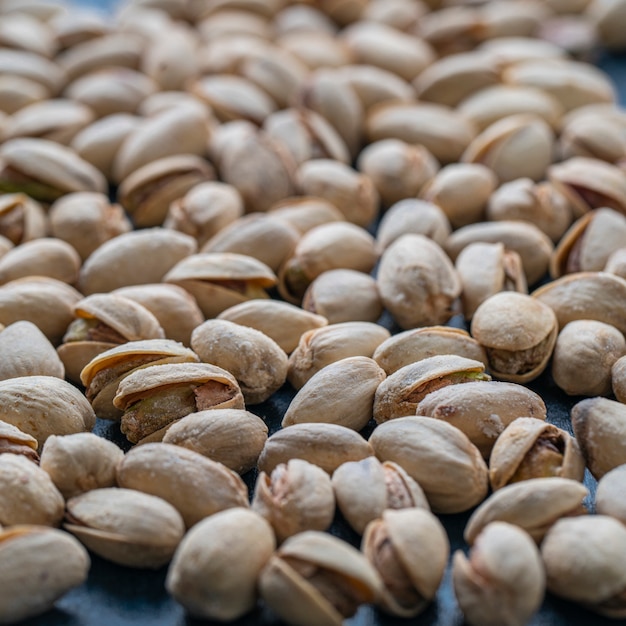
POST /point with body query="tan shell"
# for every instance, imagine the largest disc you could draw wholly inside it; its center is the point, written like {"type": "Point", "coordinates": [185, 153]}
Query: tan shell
{"type": "Point", "coordinates": [17, 92]}
{"type": "Point", "coordinates": [306, 212]}
{"type": "Point", "coordinates": [34, 67]}
{"type": "Point", "coordinates": [14, 441]}
{"type": "Point", "coordinates": [618, 379]}
{"type": "Point", "coordinates": [610, 494]}
{"type": "Point", "coordinates": [21, 218]}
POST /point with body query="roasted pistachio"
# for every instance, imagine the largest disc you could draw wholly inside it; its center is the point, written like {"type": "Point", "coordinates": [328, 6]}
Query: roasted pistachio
{"type": "Point", "coordinates": [610, 494]}
{"type": "Point", "coordinates": [15, 441]}
{"type": "Point", "coordinates": [21, 218]}
{"type": "Point", "coordinates": [618, 379]}
{"type": "Point", "coordinates": [306, 212]}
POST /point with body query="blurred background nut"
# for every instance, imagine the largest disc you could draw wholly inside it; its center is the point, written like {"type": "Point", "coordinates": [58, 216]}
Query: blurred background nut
{"type": "Point", "coordinates": [608, 17]}
{"type": "Point", "coordinates": [17, 92]}
{"type": "Point", "coordinates": [618, 379]}
{"type": "Point", "coordinates": [610, 494]}
{"type": "Point", "coordinates": [21, 218]}
{"type": "Point", "coordinates": [34, 67]}
{"type": "Point", "coordinates": [306, 212]}
{"type": "Point", "coordinates": [616, 263]}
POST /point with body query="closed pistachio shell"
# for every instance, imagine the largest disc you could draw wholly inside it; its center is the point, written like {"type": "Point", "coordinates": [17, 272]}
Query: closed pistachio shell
{"type": "Point", "coordinates": [17, 92]}
{"type": "Point", "coordinates": [33, 67]}
{"type": "Point", "coordinates": [610, 494]}
{"type": "Point", "coordinates": [15, 441]}
{"type": "Point", "coordinates": [316, 48]}
{"type": "Point", "coordinates": [306, 212]}
{"type": "Point", "coordinates": [21, 218]}
{"type": "Point", "coordinates": [616, 263]}
{"type": "Point", "coordinates": [618, 379]}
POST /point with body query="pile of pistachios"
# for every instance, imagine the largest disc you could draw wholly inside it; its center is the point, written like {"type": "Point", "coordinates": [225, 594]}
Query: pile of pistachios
{"type": "Point", "coordinates": [382, 219]}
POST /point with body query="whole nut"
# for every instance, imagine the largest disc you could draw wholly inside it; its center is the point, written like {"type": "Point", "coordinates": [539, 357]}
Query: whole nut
{"type": "Point", "coordinates": [15, 441]}
{"type": "Point", "coordinates": [21, 218]}
{"type": "Point", "coordinates": [306, 212]}
{"type": "Point", "coordinates": [610, 494]}
{"type": "Point", "coordinates": [618, 379]}
{"type": "Point", "coordinates": [616, 263]}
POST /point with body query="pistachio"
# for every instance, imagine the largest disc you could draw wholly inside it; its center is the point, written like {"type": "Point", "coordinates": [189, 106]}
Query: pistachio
{"type": "Point", "coordinates": [608, 18]}
{"type": "Point", "coordinates": [21, 218]}
{"type": "Point", "coordinates": [593, 135]}
{"type": "Point", "coordinates": [618, 379]}
{"type": "Point", "coordinates": [615, 264]}
{"type": "Point", "coordinates": [212, 582]}
{"type": "Point", "coordinates": [610, 494]}
{"type": "Point", "coordinates": [32, 67]}
{"type": "Point", "coordinates": [316, 49]}
{"type": "Point", "coordinates": [450, 29]}
{"type": "Point", "coordinates": [306, 212]}
{"type": "Point", "coordinates": [511, 19]}
{"type": "Point", "coordinates": [14, 441]}
{"type": "Point", "coordinates": [17, 92]}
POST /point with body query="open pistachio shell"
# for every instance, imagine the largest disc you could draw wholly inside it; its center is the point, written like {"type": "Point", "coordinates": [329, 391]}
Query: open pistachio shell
{"type": "Point", "coordinates": [21, 218]}
{"type": "Point", "coordinates": [15, 441]}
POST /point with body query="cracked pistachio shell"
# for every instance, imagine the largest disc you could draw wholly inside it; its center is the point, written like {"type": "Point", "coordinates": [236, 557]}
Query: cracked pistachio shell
{"type": "Point", "coordinates": [257, 362]}
{"type": "Point", "coordinates": [417, 282]}
{"type": "Point", "coordinates": [38, 565]}
{"type": "Point", "coordinates": [27, 352]}
{"type": "Point", "coordinates": [532, 448]}
{"type": "Point", "coordinates": [584, 354]}
{"type": "Point", "coordinates": [485, 269]}
{"type": "Point", "coordinates": [584, 562]}
{"type": "Point", "coordinates": [586, 296]}
{"type": "Point", "coordinates": [534, 505]}
{"type": "Point", "coordinates": [193, 484]}
{"type": "Point", "coordinates": [322, 346]}
{"type": "Point", "coordinates": [341, 393]}
{"type": "Point", "coordinates": [316, 578]}
{"type": "Point", "coordinates": [14, 441]}
{"type": "Point", "coordinates": [599, 425]}
{"type": "Point", "coordinates": [610, 494]}
{"type": "Point", "coordinates": [283, 322]}
{"type": "Point", "coordinates": [593, 135]}
{"type": "Point", "coordinates": [324, 445]}
{"type": "Point", "coordinates": [125, 526]}
{"type": "Point", "coordinates": [28, 495]}
{"type": "Point", "coordinates": [409, 548]}
{"type": "Point", "coordinates": [134, 258]}
{"type": "Point", "coordinates": [212, 582]}
{"type": "Point", "coordinates": [483, 409]}
{"type": "Point", "coordinates": [502, 583]}
{"type": "Point", "coordinates": [400, 393]}
{"type": "Point", "coordinates": [80, 462]}
{"type": "Point", "coordinates": [439, 457]}
{"type": "Point", "coordinates": [44, 405]}
{"type": "Point", "coordinates": [365, 489]}
{"type": "Point", "coordinates": [517, 334]}
{"type": "Point", "coordinates": [295, 497]}
{"type": "Point", "coordinates": [219, 280]}
{"type": "Point", "coordinates": [451, 29]}
{"type": "Point", "coordinates": [21, 218]}
{"type": "Point", "coordinates": [618, 379]}
{"type": "Point", "coordinates": [306, 212]}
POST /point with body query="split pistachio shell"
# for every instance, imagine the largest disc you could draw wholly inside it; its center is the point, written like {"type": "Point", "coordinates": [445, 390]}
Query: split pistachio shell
{"type": "Point", "coordinates": [257, 362]}
{"type": "Point", "coordinates": [518, 335]}
{"type": "Point", "coordinates": [324, 445]}
{"type": "Point", "coordinates": [584, 562]}
{"type": "Point", "coordinates": [296, 497]}
{"type": "Point", "coordinates": [27, 352]}
{"type": "Point", "coordinates": [409, 548]}
{"type": "Point", "coordinates": [365, 489]}
{"type": "Point", "coordinates": [532, 448]}
{"type": "Point", "coordinates": [439, 457]}
{"type": "Point", "coordinates": [21, 218]}
{"type": "Point", "coordinates": [38, 566]}
{"type": "Point", "coordinates": [483, 409]}
{"type": "Point", "coordinates": [317, 578]}
{"type": "Point", "coordinates": [28, 495]}
{"type": "Point", "coordinates": [599, 429]}
{"type": "Point", "coordinates": [610, 494]}
{"type": "Point", "coordinates": [127, 527]}
{"type": "Point", "coordinates": [196, 488]}
{"type": "Point", "coordinates": [417, 282]}
{"type": "Point", "coordinates": [341, 393]}
{"type": "Point", "coordinates": [618, 379]}
{"type": "Point", "coordinates": [234, 437]}
{"type": "Point", "coordinates": [593, 135]}
{"type": "Point", "coordinates": [322, 346]}
{"type": "Point", "coordinates": [534, 505]}
{"type": "Point", "coordinates": [283, 322]}
{"type": "Point", "coordinates": [14, 441]}
{"type": "Point", "coordinates": [214, 583]}
{"type": "Point", "coordinates": [399, 394]}
{"type": "Point", "coordinates": [503, 581]}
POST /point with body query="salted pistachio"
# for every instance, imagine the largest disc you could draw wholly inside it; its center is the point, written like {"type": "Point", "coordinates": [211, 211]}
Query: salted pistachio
{"type": "Point", "coordinates": [610, 494]}
{"type": "Point", "coordinates": [416, 344]}
{"type": "Point", "coordinates": [400, 393]}
{"type": "Point", "coordinates": [320, 347]}
{"type": "Point", "coordinates": [224, 56]}
{"type": "Point", "coordinates": [503, 580]}
{"type": "Point", "coordinates": [584, 354]}
{"type": "Point", "coordinates": [45, 170]}
{"type": "Point", "coordinates": [32, 66]}
{"type": "Point", "coordinates": [450, 29]}
{"type": "Point", "coordinates": [26, 32]}
{"type": "Point", "coordinates": [283, 322]}
{"type": "Point", "coordinates": [583, 559]}
{"type": "Point", "coordinates": [512, 19]}
{"type": "Point", "coordinates": [73, 27]}
{"type": "Point", "coordinates": [416, 216]}
{"type": "Point", "coordinates": [534, 505]}
{"type": "Point", "coordinates": [297, 496]}
{"type": "Point", "coordinates": [125, 526]}
{"type": "Point", "coordinates": [618, 379]}
{"type": "Point", "coordinates": [574, 33]}
{"type": "Point", "coordinates": [52, 563]}
{"type": "Point", "coordinates": [15, 441]}
{"type": "Point", "coordinates": [616, 263]}
{"type": "Point", "coordinates": [214, 583]}
{"type": "Point", "coordinates": [315, 48]}
{"type": "Point", "coordinates": [517, 334]}
{"type": "Point", "coordinates": [301, 19]}
{"type": "Point", "coordinates": [397, 13]}
{"type": "Point", "coordinates": [337, 245]}
{"type": "Point", "coordinates": [417, 282]}
{"type": "Point", "coordinates": [28, 495]}
{"type": "Point", "coordinates": [325, 445]}
{"type": "Point", "coordinates": [532, 448]}
{"type": "Point", "coordinates": [541, 204]}
{"type": "Point", "coordinates": [233, 21]}
{"type": "Point", "coordinates": [16, 92]}
{"type": "Point", "coordinates": [461, 190]}
{"type": "Point", "coordinates": [398, 170]}
{"type": "Point", "coordinates": [161, 101]}
{"type": "Point", "coordinates": [21, 218]}
{"type": "Point", "coordinates": [586, 295]}
{"type": "Point", "coordinates": [409, 548]}
{"type": "Point", "coordinates": [121, 261]}
{"type": "Point", "coordinates": [343, 295]}
{"type": "Point", "coordinates": [365, 489]}
{"type": "Point", "coordinates": [315, 577]}
{"type": "Point", "coordinates": [306, 212]}
{"type": "Point", "coordinates": [593, 135]}
{"type": "Point", "coordinates": [533, 245]}
{"type": "Point", "coordinates": [608, 18]}
{"type": "Point", "coordinates": [483, 409]}
{"type": "Point", "coordinates": [598, 425]}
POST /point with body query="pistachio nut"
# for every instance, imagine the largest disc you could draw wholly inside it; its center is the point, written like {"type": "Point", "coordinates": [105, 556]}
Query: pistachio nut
{"type": "Point", "coordinates": [316, 48]}
{"type": "Point", "coordinates": [511, 19]}
{"type": "Point", "coordinates": [306, 212]}
{"type": "Point", "coordinates": [610, 494]}
{"type": "Point", "coordinates": [618, 379]}
{"type": "Point", "coordinates": [365, 489]}
{"type": "Point", "coordinates": [127, 527]}
{"type": "Point", "coordinates": [34, 67]}
{"type": "Point", "coordinates": [534, 505]}
{"type": "Point", "coordinates": [14, 441]}
{"type": "Point", "coordinates": [213, 582]}
{"type": "Point", "coordinates": [608, 18]}
{"type": "Point", "coordinates": [451, 29]}
{"type": "Point", "coordinates": [397, 13]}
{"type": "Point", "coordinates": [21, 218]}
{"type": "Point", "coordinates": [409, 548]}
{"type": "Point", "coordinates": [503, 581]}
{"type": "Point", "coordinates": [616, 263]}
{"type": "Point", "coordinates": [315, 577]}
{"type": "Point", "coordinates": [17, 92]}
{"type": "Point", "coordinates": [439, 457]}
{"type": "Point", "coordinates": [593, 135]}
{"type": "Point", "coordinates": [74, 27]}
